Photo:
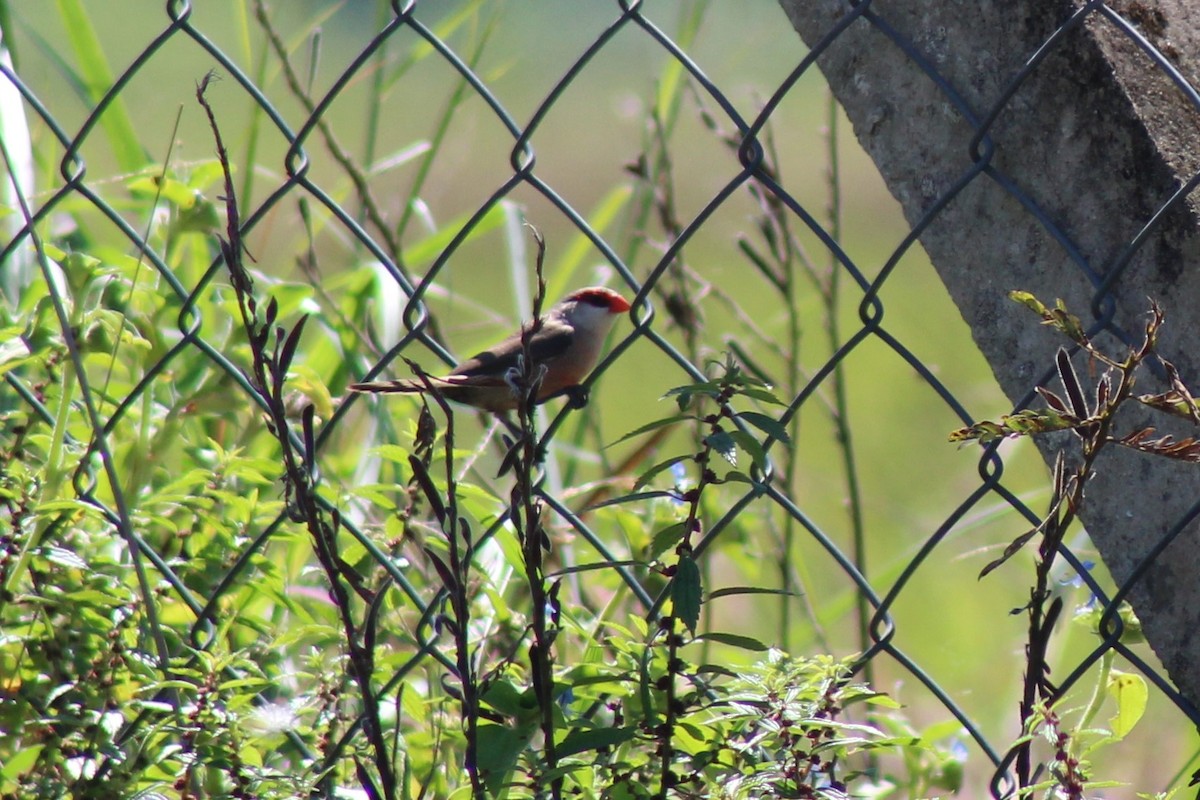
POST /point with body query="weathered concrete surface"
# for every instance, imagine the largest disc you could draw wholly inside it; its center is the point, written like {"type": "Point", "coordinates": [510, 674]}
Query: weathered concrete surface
{"type": "Point", "coordinates": [1099, 138]}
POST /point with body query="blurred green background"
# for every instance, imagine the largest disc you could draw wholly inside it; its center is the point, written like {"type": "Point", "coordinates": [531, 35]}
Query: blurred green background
{"type": "Point", "coordinates": [958, 628]}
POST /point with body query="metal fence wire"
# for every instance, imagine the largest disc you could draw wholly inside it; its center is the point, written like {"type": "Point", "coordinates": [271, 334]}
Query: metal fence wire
{"type": "Point", "coordinates": [920, 523]}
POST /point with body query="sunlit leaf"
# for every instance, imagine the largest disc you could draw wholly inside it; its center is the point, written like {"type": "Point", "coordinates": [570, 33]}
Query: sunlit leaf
{"type": "Point", "coordinates": [724, 444]}
{"type": "Point", "coordinates": [305, 380]}
{"type": "Point", "coordinates": [1131, 695]}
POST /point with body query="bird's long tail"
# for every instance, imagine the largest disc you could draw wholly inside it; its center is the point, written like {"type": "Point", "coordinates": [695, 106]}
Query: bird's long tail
{"type": "Point", "coordinates": [387, 387]}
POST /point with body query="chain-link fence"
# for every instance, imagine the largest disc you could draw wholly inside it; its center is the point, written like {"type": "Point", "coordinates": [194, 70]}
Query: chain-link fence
{"type": "Point", "coordinates": [384, 159]}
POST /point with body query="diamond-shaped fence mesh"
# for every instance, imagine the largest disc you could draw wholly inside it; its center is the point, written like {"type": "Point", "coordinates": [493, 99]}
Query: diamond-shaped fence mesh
{"type": "Point", "coordinates": [167, 607]}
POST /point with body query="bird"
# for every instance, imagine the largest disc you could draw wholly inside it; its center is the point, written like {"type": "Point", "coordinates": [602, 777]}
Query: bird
{"type": "Point", "coordinates": [567, 344]}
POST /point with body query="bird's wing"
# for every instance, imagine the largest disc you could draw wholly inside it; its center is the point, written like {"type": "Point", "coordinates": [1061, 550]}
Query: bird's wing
{"type": "Point", "coordinates": [547, 344]}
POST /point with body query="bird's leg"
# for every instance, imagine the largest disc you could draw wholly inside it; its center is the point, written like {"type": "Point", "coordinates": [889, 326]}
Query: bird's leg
{"type": "Point", "coordinates": [577, 396]}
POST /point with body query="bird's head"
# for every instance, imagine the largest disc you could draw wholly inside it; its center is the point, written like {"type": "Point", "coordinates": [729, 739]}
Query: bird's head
{"type": "Point", "coordinates": [592, 308]}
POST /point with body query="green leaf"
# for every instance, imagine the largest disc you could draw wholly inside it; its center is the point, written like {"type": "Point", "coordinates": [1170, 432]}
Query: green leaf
{"type": "Point", "coordinates": [579, 741]}
{"type": "Point", "coordinates": [709, 388]}
{"type": "Point", "coordinates": [175, 192]}
{"type": "Point", "coordinates": [667, 538]}
{"type": "Point", "coordinates": [20, 762]}
{"type": "Point", "coordinates": [651, 473]}
{"type": "Point", "coordinates": [761, 395]}
{"type": "Point", "coordinates": [984, 431]}
{"type": "Point", "coordinates": [499, 748]}
{"type": "Point", "coordinates": [504, 697]}
{"type": "Point", "coordinates": [201, 217]}
{"type": "Point", "coordinates": [724, 444]}
{"type": "Point", "coordinates": [730, 591]}
{"type": "Point", "coordinates": [96, 76]}
{"type": "Point", "coordinates": [1057, 317]}
{"type": "Point", "coordinates": [634, 497]}
{"type": "Point", "coordinates": [305, 380]}
{"type": "Point", "coordinates": [650, 426]}
{"type": "Point", "coordinates": [735, 640]}
{"type": "Point", "coordinates": [13, 350]}
{"type": "Point", "coordinates": [752, 446]}
{"type": "Point", "coordinates": [946, 729]}
{"type": "Point", "coordinates": [1028, 300]}
{"type": "Point", "coordinates": [1131, 695]}
{"type": "Point", "coordinates": [206, 173]}
{"type": "Point", "coordinates": [426, 250]}
{"type": "Point", "coordinates": [686, 592]}
{"type": "Point", "coordinates": [768, 425]}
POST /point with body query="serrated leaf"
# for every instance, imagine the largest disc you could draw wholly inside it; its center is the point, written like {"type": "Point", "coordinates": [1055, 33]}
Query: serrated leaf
{"type": "Point", "coordinates": [767, 424]}
{"type": "Point", "coordinates": [667, 538]}
{"type": "Point", "coordinates": [686, 591]}
{"type": "Point", "coordinates": [1066, 322]}
{"type": "Point", "coordinates": [724, 444]}
{"type": "Point", "coordinates": [752, 446]}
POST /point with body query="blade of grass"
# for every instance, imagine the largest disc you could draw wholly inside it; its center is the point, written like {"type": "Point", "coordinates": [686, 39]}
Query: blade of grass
{"type": "Point", "coordinates": [97, 79]}
{"type": "Point", "coordinates": [256, 116]}
{"type": "Point", "coordinates": [670, 84]}
{"type": "Point", "coordinates": [423, 49]}
{"type": "Point", "coordinates": [600, 220]}
{"type": "Point", "coordinates": [443, 128]}
{"type": "Point", "coordinates": [428, 248]}
{"type": "Point", "coordinates": [10, 44]}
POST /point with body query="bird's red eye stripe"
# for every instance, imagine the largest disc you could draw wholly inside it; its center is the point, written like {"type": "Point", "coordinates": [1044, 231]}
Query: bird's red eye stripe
{"type": "Point", "coordinates": [602, 298]}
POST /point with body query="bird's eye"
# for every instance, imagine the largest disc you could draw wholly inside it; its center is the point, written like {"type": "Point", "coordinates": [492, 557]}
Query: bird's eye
{"type": "Point", "coordinates": [596, 299]}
